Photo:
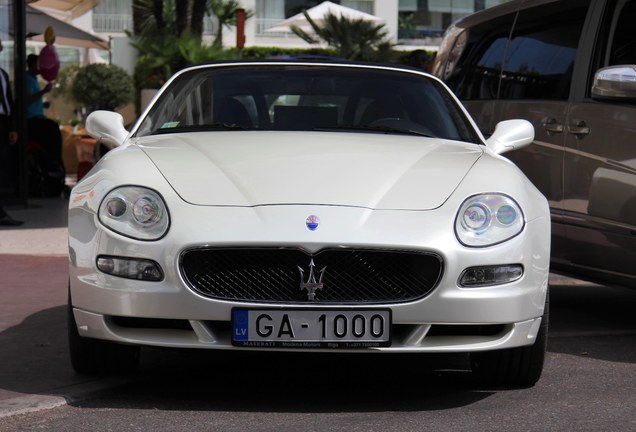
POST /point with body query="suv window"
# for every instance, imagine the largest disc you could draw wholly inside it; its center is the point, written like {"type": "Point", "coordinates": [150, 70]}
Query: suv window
{"type": "Point", "coordinates": [535, 62]}
{"type": "Point", "coordinates": [616, 44]}
{"type": "Point", "coordinates": [476, 74]}
{"type": "Point", "coordinates": [622, 49]}
{"type": "Point", "coordinates": [540, 57]}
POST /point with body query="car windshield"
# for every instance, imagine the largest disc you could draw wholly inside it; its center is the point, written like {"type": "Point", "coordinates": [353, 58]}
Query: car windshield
{"type": "Point", "coordinates": [307, 98]}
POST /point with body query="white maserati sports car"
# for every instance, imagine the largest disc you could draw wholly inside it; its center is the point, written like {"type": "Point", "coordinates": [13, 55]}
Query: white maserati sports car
{"type": "Point", "coordinates": [309, 206]}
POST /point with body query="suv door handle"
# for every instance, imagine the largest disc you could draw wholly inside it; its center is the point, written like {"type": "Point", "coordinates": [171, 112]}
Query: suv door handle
{"type": "Point", "coordinates": [579, 128]}
{"type": "Point", "coordinates": [551, 126]}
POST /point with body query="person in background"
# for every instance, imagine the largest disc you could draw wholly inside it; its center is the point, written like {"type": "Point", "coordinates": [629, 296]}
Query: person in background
{"type": "Point", "coordinates": [6, 220]}
{"type": "Point", "coordinates": [35, 103]}
{"type": "Point", "coordinates": [8, 134]}
{"type": "Point", "coordinates": [421, 59]}
{"type": "Point", "coordinates": [41, 129]}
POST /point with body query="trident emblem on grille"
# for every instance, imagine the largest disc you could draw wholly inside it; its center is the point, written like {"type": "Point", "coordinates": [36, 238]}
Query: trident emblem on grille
{"type": "Point", "coordinates": [311, 285]}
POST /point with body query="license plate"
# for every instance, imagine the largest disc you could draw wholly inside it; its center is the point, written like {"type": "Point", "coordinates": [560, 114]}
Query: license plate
{"type": "Point", "coordinates": [311, 328]}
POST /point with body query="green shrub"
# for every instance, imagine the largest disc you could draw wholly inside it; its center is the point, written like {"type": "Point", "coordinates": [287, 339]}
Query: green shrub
{"type": "Point", "coordinates": [269, 52]}
{"type": "Point", "coordinates": [102, 87]}
{"type": "Point", "coordinates": [64, 82]}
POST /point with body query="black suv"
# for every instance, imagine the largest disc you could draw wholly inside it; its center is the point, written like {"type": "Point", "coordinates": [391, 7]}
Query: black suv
{"type": "Point", "coordinates": [569, 67]}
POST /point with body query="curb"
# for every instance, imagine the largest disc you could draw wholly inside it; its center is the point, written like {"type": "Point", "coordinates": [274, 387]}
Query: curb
{"type": "Point", "coordinates": [29, 404]}
{"type": "Point", "coordinates": [74, 394]}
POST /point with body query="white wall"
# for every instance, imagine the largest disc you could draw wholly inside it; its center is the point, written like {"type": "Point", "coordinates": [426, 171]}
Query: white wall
{"type": "Point", "coordinates": [123, 54]}
{"type": "Point", "coordinates": [388, 10]}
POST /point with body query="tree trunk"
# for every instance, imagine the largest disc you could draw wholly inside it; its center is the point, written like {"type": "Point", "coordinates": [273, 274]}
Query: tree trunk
{"type": "Point", "coordinates": [184, 12]}
{"type": "Point", "coordinates": [157, 11]}
{"type": "Point", "coordinates": [198, 14]}
{"type": "Point", "coordinates": [138, 14]}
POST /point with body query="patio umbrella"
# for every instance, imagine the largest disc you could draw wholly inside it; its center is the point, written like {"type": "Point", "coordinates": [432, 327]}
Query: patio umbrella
{"type": "Point", "coordinates": [68, 8]}
{"type": "Point", "coordinates": [66, 34]}
{"type": "Point", "coordinates": [318, 14]}
{"type": "Point", "coordinates": [37, 21]}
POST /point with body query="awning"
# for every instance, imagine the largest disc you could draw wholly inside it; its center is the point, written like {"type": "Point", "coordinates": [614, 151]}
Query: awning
{"type": "Point", "coordinates": [66, 34]}
{"type": "Point", "coordinates": [71, 8]}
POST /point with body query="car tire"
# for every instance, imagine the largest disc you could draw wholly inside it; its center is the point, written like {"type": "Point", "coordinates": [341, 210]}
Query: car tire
{"type": "Point", "coordinates": [93, 356]}
{"type": "Point", "coordinates": [514, 367]}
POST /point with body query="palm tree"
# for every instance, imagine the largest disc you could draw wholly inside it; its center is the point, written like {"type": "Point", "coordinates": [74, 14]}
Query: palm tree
{"type": "Point", "coordinates": [353, 39]}
{"type": "Point", "coordinates": [155, 35]}
{"type": "Point", "coordinates": [225, 13]}
{"type": "Point", "coordinates": [190, 14]}
{"type": "Point", "coordinates": [167, 19]}
{"type": "Point", "coordinates": [174, 16]}
{"type": "Point", "coordinates": [167, 34]}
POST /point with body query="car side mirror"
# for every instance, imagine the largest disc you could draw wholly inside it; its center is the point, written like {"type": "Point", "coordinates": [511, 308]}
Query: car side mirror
{"type": "Point", "coordinates": [510, 135]}
{"type": "Point", "coordinates": [615, 82]}
{"type": "Point", "coordinates": [106, 127]}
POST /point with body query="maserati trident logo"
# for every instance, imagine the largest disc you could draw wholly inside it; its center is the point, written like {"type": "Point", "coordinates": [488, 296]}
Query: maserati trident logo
{"type": "Point", "coordinates": [311, 285]}
{"type": "Point", "coordinates": [312, 222]}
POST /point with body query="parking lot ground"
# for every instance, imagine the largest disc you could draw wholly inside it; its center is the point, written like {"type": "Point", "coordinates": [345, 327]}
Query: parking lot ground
{"type": "Point", "coordinates": [588, 383]}
{"type": "Point", "coordinates": [588, 322]}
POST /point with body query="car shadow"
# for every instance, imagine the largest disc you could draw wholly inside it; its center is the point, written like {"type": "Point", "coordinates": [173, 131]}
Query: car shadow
{"type": "Point", "coordinates": [585, 321]}
{"type": "Point", "coordinates": [36, 361]}
{"type": "Point", "coordinates": [35, 356]}
{"type": "Point", "coordinates": [593, 321]}
{"type": "Point", "coordinates": [295, 382]}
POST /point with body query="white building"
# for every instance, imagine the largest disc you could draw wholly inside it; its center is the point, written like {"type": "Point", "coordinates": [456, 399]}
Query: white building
{"type": "Point", "coordinates": [415, 22]}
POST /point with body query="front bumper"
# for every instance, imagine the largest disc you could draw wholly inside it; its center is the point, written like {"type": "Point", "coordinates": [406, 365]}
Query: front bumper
{"type": "Point", "coordinates": [170, 314]}
{"type": "Point", "coordinates": [217, 334]}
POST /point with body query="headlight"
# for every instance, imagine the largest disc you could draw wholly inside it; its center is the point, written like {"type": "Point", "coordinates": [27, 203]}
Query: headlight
{"type": "Point", "coordinates": [135, 212]}
{"type": "Point", "coordinates": [488, 219]}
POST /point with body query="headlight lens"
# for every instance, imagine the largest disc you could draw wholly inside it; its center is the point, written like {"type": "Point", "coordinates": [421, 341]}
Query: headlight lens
{"type": "Point", "coordinates": [136, 212]}
{"type": "Point", "coordinates": [488, 219]}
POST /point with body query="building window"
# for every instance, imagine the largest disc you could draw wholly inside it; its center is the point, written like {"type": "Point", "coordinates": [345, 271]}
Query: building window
{"type": "Point", "coordinates": [268, 13]}
{"type": "Point", "coordinates": [430, 18]}
{"type": "Point", "coordinates": [113, 16]}
{"type": "Point", "coordinates": [361, 5]}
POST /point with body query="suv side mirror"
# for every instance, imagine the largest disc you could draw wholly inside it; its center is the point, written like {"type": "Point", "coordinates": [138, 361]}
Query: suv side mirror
{"type": "Point", "coordinates": [615, 82]}
{"type": "Point", "coordinates": [510, 135]}
{"type": "Point", "coordinates": [106, 127]}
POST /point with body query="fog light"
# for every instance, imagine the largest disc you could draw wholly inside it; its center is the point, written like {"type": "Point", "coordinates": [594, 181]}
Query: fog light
{"type": "Point", "coordinates": [490, 275]}
{"type": "Point", "coordinates": [130, 268]}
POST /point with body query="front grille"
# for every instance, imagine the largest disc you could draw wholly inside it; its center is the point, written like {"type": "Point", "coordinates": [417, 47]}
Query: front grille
{"type": "Point", "coordinates": [273, 275]}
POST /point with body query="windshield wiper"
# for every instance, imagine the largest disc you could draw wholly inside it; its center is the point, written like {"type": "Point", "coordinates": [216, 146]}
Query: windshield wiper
{"type": "Point", "coordinates": [376, 129]}
{"type": "Point", "coordinates": [199, 128]}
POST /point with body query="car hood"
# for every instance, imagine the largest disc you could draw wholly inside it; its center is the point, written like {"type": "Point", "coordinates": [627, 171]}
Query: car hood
{"type": "Point", "coordinates": [252, 168]}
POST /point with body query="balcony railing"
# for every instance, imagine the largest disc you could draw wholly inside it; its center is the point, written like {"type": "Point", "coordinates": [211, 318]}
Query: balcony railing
{"type": "Point", "coordinates": [112, 22]}
{"type": "Point", "coordinates": [263, 24]}
{"type": "Point", "coordinates": [121, 22]}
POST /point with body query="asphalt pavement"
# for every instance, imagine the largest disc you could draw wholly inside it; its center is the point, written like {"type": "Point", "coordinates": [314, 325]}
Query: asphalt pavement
{"type": "Point", "coordinates": [35, 371]}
